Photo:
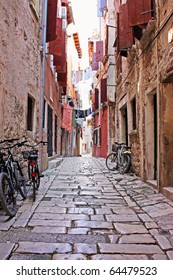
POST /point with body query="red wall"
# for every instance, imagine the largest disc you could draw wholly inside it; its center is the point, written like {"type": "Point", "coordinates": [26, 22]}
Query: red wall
{"type": "Point", "coordinates": [103, 149]}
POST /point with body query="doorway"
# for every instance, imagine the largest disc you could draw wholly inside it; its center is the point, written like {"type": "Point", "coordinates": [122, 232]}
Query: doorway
{"type": "Point", "coordinates": [124, 125]}
{"type": "Point", "coordinates": [56, 134]}
{"type": "Point", "coordinates": [151, 136]}
{"type": "Point", "coordinates": [49, 131]}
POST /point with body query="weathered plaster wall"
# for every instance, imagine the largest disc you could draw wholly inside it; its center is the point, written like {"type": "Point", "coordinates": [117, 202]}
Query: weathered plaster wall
{"type": "Point", "coordinates": [20, 66]}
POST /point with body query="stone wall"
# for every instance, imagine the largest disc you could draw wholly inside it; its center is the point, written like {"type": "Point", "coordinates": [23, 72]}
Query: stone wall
{"type": "Point", "coordinates": [19, 67]}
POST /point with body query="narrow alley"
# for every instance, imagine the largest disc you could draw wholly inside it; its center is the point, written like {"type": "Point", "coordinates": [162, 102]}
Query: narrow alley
{"type": "Point", "coordinates": [85, 212]}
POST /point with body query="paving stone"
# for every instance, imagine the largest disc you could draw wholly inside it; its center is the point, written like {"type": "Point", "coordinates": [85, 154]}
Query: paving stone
{"type": "Point", "coordinates": [31, 257]}
{"type": "Point", "coordinates": [54, 210]}
{"type": "Point", "coordinates": [97, 217]}
{"type": "Point", "coordinates": [159, 257]}
{"type": "Point", "coordinates": [137, 238]}
{"type": "Point", "coordinates": [83, 210]}
{"type": "Point", "coordinates": [69, 257]}
{"type": "Point", "coordinates": [78, 230]}
{"type": "Point", "coordinates": [151, 225]}
{"type": "Point", "coordinates": [103, 211]}
{"type": "Point", "coordinates": [5, 250]}
{"type": "Point", "coordinates": [5, 223]}
{"type": "Point", "coordinates": [129, 249]}
{"type": "Point", "coordinates": [163, 242]}
{"type": "Point", "coordinates": [170, 254]}
{"type": "Point", "coordinates": [51, 223]}
{"type": "Point", "coordinates": [85, 248]}
{"type": "Point", "coordinates": [123, 210]}
{"type": "Point", "coordinates": [145, 217]}
{"type": "Point", "coordinates": [55, 230]}
{"type": "Point", "coordinates": [129, 228]}
{"type": "Point", "coordinates": [43, 248]}
{"type": "Point", "coordinates": [122, 218]}
{"type": "Point", "coordinates": [114, 238]}
{"type": "Point", "coordinates": [93, 224]}
{"type": "Point", "coordinates": [47, 216]}
{"type": "Point", "coordinates": [118, 257]}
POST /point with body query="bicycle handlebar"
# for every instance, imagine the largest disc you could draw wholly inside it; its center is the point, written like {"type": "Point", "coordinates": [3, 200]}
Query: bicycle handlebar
{"type": "Point", "coordinates": [9, 140]}
{"type": "Point", "coordinates": [32, 146]}
{"type": "Point", "coordinates": [15, 145]}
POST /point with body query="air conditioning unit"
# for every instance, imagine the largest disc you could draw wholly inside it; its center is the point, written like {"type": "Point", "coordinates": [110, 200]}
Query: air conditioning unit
{"type": "Point", "coordinates": [63, 12]}
{"type": "Point", "coordinates": [64, 23]}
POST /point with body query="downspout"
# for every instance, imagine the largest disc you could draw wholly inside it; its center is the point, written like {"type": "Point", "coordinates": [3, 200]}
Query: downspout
{"type": "Point", "coordinates": [44, 28]}
{"type": "Point", "coordinates": [158, 106]}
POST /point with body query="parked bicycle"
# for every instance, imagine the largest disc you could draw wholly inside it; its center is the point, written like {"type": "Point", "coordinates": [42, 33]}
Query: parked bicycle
{"type": "Point", "coordinates": [12, 180]}
{"type": "Point", "coordinates": [120, 158]}
{"type": "Point", "coordinates": [33, 168]}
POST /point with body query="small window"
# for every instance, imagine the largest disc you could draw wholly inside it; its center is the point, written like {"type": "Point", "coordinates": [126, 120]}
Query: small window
{"type": "Point", "coordinates": [97, 136]}
{"type": "Point", "coordinates": [133, 104]}
{"type": "Point", "coordinates": [30, 115]}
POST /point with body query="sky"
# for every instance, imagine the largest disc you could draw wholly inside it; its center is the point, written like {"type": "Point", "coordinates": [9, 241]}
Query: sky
{"type": "Point", "coordinates": [85, 17]}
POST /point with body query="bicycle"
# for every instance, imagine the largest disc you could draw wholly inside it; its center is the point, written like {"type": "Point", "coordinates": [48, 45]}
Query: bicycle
{"type": "Point", "coordinates": [120, 158]}
{"type": "Point", "coordinates": [11, 179]}
{"type": "Point", "coordinates": [33, 169]}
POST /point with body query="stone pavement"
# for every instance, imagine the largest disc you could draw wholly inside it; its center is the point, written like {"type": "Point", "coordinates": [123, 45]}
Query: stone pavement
{"type": "Point", "coordinates": [83, 211]}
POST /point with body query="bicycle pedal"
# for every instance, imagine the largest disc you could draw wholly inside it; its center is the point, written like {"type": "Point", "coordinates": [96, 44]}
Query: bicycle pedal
{"type": "Point", "coordinates": [41, 176]}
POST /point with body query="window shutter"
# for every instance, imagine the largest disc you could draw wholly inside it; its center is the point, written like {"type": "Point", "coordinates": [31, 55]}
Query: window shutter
{"type": "Point", "coordinates": [101, 6]}
{"type": "Point", "coordinates": [139, 11]}
{"type": "Point", "coordinates": [51, 20]}
{"type": "Point", "coordinates": [96, 99]}
{"type": "Point", "coordinates": [55, 46]}
{"type": "Point", "coordinates": [125, 32]}
{"type": "Point", "coordinates": [103, 90]}
{"type": "Point", "coordinates": [99, 50]}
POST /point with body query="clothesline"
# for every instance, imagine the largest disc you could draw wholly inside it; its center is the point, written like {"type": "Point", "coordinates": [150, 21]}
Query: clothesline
{"type": "Point", "coordinates": [82, 113]}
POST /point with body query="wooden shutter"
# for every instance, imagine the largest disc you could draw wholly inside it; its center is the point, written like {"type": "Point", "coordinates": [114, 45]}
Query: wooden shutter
{"type": "Point", "coordinates": [51, 20]}
{"type": "Point", "coordinates": [96, 99]}
{"type": "Point", "coordinates": [125, 32]}
{"type": "Point", "coordinates": [139, 11]}
{"type": "Point", "coordinates": [103, 90]}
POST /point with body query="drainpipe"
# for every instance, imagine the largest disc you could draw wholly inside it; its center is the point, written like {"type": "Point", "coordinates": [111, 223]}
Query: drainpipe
{"type": "Point", "coordinates": [158, 106]}
{"type": "Point", "coordinates": [44, 27]}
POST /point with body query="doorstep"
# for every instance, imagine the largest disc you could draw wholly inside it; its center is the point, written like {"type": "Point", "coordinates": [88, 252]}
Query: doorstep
{"type": "Point", "coordinates": [54, 163]}
{"type": "Point", "coordinates": [168, 192]}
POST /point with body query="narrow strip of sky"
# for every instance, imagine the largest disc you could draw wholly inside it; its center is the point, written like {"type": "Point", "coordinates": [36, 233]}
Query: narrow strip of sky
{"type": "Point", "coordinates": [86, 20]}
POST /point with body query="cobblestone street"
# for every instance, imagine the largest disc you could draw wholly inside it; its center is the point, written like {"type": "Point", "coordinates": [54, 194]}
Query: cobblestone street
{"type": "Point", "coordinates": [83, 211]}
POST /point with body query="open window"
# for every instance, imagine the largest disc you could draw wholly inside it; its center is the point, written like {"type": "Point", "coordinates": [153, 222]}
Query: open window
{"type": "Point", "coordinates": [139, 14]}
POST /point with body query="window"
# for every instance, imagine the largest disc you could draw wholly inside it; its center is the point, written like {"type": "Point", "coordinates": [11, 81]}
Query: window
{"type": "Point", "coordinates": [133, 106]}
{"type": "Point", "coordinates": [97, 136]}
{"type": "Point", "coordinates": [30, 115]}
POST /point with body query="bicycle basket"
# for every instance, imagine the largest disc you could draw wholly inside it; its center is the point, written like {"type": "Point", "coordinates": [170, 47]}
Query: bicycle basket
{"type": "Point", "coordinates": [114, 148]}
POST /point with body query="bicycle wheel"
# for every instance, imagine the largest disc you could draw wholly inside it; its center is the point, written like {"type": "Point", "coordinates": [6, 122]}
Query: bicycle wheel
{"type": "Point", "coordinates": [125, 163]}
{"type": "Point", "coordinates": [37, 178]}
{"type": "Point", "coordinates": [8, 201]}
{"type": "Point", "coordinates": [111, 161]}
{"type": "Point", "coordinates": [20, 183]}
{"type": "Point", "coordinates": [33, 184]}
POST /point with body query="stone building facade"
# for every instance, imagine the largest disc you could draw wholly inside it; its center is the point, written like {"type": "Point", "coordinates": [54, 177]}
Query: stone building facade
{"type": "Point", "coordinates": [144, 99]}
{"type": "Point", "coordinates": [23, 90]}
{"type": "Point", "coordinates": [20, 64]}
